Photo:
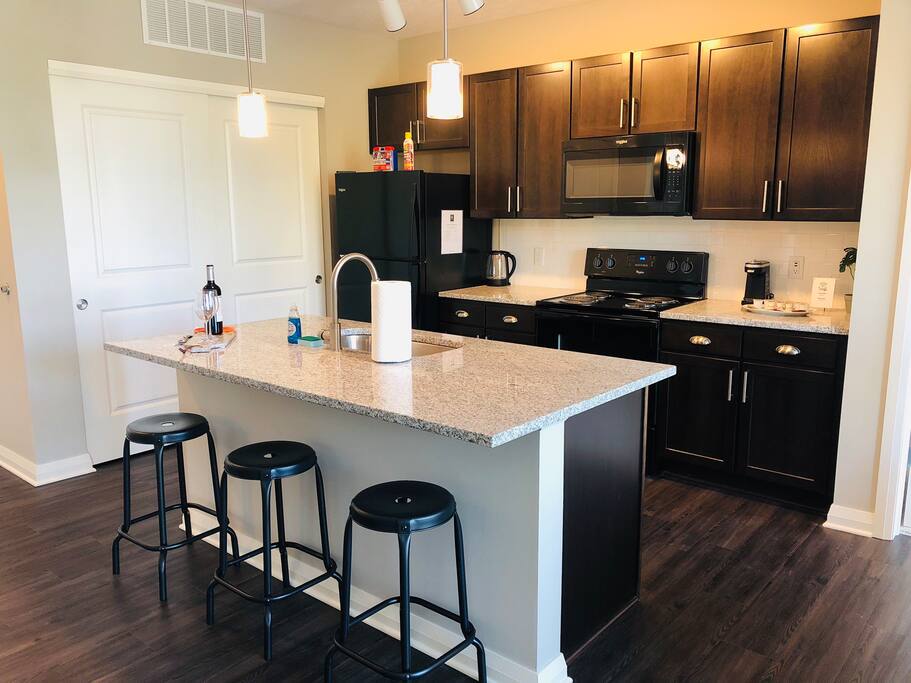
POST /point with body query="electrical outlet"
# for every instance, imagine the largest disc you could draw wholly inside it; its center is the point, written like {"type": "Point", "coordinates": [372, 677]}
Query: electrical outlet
{"type": "Point", "coordinates": [795, 268]}
{"type": "Point", "coordinates": [539, 256]}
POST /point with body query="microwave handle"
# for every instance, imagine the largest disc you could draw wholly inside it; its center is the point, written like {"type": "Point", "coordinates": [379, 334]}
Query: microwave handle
{"type": "Point", "coordinates": [658, 173]}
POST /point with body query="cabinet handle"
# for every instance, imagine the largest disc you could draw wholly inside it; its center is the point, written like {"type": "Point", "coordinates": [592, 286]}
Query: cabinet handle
{"type": "Point", "coordinates": [509, 199]}
{"type": "Point", "coordinates": [510, 319]}
{"type": "Point", "coordinates": [518, 199]}
{"type": "Point", "coordinates": [632, 112]}
{"type": "Point", "coordinates": [411, 128]}
{"type": "Point", "coordinates": [699, 340]}
{"type": "Point", "coordinates": [730, 385]}
{"type": "Point", "coordinates": [746, 376]}
{"type": "Point", "coordinates": [787, 350]}
{"type": "Point", "coordinates": [559, 341]}
{"type": "Point", "coordinates": [461, 313]}
{"type": "Point", "coordinates": [765, 194]}
{"type": "Point", "coordinates": [778, 199]}
{"type": "Point", "coordinates": [622, 106]}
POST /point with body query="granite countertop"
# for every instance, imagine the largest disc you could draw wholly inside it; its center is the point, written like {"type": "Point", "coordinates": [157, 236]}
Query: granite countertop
{"type": "Point", "coordinates": [518, 295]}
{"type": "Point", "coordinates": [730, 313]}
{"type": "Point", "coordinates": [480, 391]}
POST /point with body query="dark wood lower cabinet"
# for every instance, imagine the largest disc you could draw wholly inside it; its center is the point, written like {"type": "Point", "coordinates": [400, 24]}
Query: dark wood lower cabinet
{"type": "Point", "coordinates": [499, 322]}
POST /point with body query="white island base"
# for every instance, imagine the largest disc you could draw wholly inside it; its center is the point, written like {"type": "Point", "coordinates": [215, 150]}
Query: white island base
{"type": "Point", "coordinates": [510, 500]}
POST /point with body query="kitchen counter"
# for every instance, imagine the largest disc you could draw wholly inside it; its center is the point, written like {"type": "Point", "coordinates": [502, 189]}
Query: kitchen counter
{"type": "Point", "coordinates": [835, 321]}
{"type": "Point", "coordinates": [481, 391]}
{"type": "Point", "coordinates": [517, 295]}
{"type": "Point", "coordinates": [568, 432]}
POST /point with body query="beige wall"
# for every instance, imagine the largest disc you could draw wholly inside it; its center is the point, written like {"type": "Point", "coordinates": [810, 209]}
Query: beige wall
{"type": "Point", "coordinates": [15, 413]}
{"type": "Point", "coordinates": [303, 57]}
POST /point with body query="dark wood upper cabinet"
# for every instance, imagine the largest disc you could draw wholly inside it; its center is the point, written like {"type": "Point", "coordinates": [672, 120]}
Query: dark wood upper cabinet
{"type": "Point", "coordinates": [393, 111]}
{"type": "Point", "coordinates": [739, 87]}
{"type": "Point", "coordinates": [600, 96]}
{"type": "Point", "coordinates": [544, 93]}
{"type": "Point", "coordinates": [438, 133]}
{"type": "Point", "coordinates": [825, 120]}
{"type": "Point", "coordinates": [664, 89]}
{"type": "Point", "coordinates": [493, 123]}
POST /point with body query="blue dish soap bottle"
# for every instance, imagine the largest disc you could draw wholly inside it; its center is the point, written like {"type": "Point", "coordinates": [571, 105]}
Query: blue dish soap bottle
{"type": "Point", "coordinates": [294, 325]}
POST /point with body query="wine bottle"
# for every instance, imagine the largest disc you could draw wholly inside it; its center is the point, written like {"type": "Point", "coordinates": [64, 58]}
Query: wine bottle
{"type": "Point", "coordinates": [216, 324]}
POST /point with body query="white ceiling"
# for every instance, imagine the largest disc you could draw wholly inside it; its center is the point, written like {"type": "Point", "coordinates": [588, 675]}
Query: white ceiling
{"type": "Point", "coordinates": [423, 16]}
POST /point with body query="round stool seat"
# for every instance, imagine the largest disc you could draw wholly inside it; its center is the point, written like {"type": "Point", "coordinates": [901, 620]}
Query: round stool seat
{"type": "Point", "coordinates": [167, 428]}
{"type": "Point", "coordinates": [398, 506]}
{"type": "Point", "coordinates": [270, 460]}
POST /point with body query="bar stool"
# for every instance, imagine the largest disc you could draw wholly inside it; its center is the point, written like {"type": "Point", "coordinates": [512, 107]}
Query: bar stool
{"type": "Point", "coordinates": [160, 431]}
{"type": "Point", "coordinates": [402, 508]}
{"type": "Point", "coordinates": [268, 462]}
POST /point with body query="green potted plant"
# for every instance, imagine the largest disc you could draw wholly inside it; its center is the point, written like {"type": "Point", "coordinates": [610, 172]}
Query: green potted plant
{"type": "Point", "coordinates": [848, 262]}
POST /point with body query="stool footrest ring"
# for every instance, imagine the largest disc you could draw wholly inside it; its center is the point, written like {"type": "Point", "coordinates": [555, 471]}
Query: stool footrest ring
{"type": "Point", "coordinates": [170, 546]}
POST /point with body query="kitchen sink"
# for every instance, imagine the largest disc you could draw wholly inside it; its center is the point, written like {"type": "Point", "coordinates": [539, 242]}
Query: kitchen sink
{"type": "Point", "coordinates": [361, 344]}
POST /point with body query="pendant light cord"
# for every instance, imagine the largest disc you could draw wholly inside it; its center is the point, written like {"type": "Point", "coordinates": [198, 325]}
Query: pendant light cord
{"type": "Point", "coordinates": [247, 49]}
{"type": "Point", "coordinates": [445, 29]}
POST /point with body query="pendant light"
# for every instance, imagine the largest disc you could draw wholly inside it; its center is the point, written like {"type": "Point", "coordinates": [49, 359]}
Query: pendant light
{"type": "Point", "coordinates": [444, 79]}
{"type": "Point", "coordinates": [393, 17]}
{"type": "Point", "coordinates": [251, 106]}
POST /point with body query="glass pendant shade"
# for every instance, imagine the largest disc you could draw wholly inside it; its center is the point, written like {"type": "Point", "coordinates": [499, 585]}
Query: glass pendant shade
{"type": "Point", "coordinates": [251, 115]}
{"type": "Point", "coordinates": [444, 90]}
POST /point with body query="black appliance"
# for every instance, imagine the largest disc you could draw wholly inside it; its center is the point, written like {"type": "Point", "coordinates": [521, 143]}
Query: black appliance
{"type": "Point", "coordinates": [629, 175]}
{"type": "Point", "coordinates": [618, 313]}
{"type": "Point", "coordinates": [395, 219]}
{"type": "Point", "coordinates": [500, 267]}
{"type": "Point", "coordinates": [758, 281]}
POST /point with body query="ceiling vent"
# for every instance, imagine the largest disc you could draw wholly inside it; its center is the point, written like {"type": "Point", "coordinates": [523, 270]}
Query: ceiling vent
{"type": "Point", "coordinates": [202, 26]}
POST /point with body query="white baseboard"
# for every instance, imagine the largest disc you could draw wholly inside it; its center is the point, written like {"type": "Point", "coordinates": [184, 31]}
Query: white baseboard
{"type": "Point", "coordinates": [428, 637]}
{"type": "Point", "coordinates": [46, 473]}
{"type": "Point", "coordinates": [852, 520]}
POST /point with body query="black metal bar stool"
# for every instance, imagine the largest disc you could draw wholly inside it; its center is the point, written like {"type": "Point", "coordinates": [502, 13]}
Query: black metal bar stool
{"type": "Point", "coordinates": [268, 462]}
{"type": "Point", "coordinates": [160, 431]}
{"type": "Point", "coordinates": [402, 508]}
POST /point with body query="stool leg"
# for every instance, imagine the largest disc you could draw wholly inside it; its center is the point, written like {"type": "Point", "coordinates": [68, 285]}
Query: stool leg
{"type": "Point", "coordinates": [182, 484]}
{"type": "Point", "coordinates": [323, 524]}
{"type": "Point", "coordinates": [267, 568]}
{"type": "Point", "coordinates": [127, 514]}
{"type": "Point", "coordinates": [345, 585]}
{"type": "Point", "coordinates": [213, 467]}
{"type": "Point", "coordinates": [327, 666]}
{"type": "Point", "coordinates": [405, 604]}
{"type": "Point", "coordinates": [463, 597]}
{"type": "Point", "coordinates": [282, 547]}
{"type": "Point", "coordinates": [162, 524]}
{"type": "Point", "coordinates": [221, 503]}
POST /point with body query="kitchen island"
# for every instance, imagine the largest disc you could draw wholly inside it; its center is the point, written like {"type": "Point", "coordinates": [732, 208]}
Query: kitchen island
{"type": "Point", "coordinates": [542, 450]}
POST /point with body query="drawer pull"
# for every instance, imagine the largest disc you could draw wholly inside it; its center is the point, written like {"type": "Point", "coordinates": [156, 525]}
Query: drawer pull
{"type": "Point", "coordinates": [461, 313]}
{"type": "Point", "coordinates": [787, 350]}
{"type": "Point", "coordinates": [510, 319]}
{"type": "Point", "coordinates": [699, 340]}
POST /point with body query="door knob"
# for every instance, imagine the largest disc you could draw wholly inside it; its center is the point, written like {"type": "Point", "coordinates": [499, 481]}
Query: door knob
{"type": "Point", "coordinates": [4, 289]}
{"type": "Point", "coordinates": [82, 304]}
{"type": "Point", "coordinates": [319, 279]}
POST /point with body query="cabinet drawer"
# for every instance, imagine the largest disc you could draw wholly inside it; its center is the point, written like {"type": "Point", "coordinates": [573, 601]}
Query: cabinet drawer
{"type": "Point", "coordinates": [708, 340]}
{"type": "Point", "coordinates": [462, 312]}
{"type": "Point", "coordinates": [511, 337]}
{"type": "Point", "coordinates": [511, 318]}
{"type": "Point", "coordinates": [461, 330]}
{"type": "Point", "coordinates": [790, 349]}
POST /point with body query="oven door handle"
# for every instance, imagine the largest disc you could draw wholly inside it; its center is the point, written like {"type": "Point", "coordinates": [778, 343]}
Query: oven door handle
{"type": "Point", "coordinates": [658, 173]}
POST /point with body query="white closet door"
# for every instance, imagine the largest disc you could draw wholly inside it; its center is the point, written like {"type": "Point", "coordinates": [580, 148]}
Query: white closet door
{"type": "Point", "coordinates": [155, 185]}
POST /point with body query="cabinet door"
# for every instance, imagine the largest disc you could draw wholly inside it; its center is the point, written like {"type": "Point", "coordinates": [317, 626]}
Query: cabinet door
{"type": "Point", "coordinates": [664, 89]}
{"type": "Point", "coordinates": [739, 84]}
{"type": "Point", "coordinates": [697, 418]}
{"type": "Point", "coordinates": [544, 93]}
{"type": "Point", "coordinates": [789, 425]}
{"type": "Point", "coordinates": [441, 133]}
{"type": "Point", "coordinates": [512, 337]}
{"type": "Point", "coordinates": [392, 111]}
{"type": "Point", "coordinates": [825, 118]}
{"type": "Point", "coordinates": [600, 96]}
{"type": "Point", "coordinates": [493, 124]}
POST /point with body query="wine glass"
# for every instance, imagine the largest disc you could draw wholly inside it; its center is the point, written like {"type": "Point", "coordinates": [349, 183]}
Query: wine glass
{"type": "Point", "coordinates": [205, 307]}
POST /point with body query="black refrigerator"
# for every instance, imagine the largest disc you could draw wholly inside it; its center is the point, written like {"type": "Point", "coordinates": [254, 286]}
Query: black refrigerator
{"type": "Point", "coordinates": [395, 218]}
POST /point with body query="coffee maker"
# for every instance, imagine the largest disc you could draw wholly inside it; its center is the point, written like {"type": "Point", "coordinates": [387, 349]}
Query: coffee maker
{"type": "Point", "coordinates": [758, 281]}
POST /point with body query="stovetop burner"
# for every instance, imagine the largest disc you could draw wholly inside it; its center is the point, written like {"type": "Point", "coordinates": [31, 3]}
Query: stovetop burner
{"type": "Point", "coordinates": [585, 298]}
{"type": "Point", "coordinates": [650, 303]}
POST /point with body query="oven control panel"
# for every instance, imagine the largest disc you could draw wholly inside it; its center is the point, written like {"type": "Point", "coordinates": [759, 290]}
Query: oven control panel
{"type": "Point", "coordinates": [666, 266]}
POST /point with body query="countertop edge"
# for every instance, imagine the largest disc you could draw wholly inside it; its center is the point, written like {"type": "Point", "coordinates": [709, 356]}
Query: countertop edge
{"type": "Point", "coordinates": [803, 324]}
{"type": "Point", "coordinates": [479, 439]}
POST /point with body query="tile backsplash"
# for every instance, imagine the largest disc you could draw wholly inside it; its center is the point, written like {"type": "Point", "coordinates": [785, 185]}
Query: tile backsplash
{"type": "Point", "coordinates": [560, 246]}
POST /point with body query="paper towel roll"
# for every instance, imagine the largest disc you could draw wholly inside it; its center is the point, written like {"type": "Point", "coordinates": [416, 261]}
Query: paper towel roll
{"type": "Point", "coordinates": [390, 312]}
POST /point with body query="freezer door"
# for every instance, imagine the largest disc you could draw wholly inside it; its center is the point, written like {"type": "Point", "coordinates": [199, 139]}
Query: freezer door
{"type": "Point", "coordinates": [379, 214]}
{"type": "Point", "coordinates": [354, 288]}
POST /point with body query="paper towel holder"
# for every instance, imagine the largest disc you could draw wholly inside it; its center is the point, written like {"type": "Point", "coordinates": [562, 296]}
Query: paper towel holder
{"type": "Point", "coordinates": [346, 258]}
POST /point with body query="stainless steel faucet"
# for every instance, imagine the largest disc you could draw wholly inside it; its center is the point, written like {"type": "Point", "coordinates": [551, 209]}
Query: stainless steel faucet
{"type": "Point", "coordinates": [336, 325]}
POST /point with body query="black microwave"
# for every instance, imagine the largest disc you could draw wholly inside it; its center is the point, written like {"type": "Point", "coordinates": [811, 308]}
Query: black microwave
{"type": "Point", "coordinates": [628, 175]}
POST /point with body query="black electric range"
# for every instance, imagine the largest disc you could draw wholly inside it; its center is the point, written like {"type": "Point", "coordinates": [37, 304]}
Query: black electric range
{"type": "Point", "coordinates": [626, 291]}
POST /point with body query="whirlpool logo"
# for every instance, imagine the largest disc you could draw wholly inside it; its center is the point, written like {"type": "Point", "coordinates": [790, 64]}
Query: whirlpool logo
{"type": "Point", "coordinates": [621, 142]}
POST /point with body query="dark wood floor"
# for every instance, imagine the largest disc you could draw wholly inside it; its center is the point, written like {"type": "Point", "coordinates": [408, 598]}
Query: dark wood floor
{"type": "Point", "coordinates": [733, 590]}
